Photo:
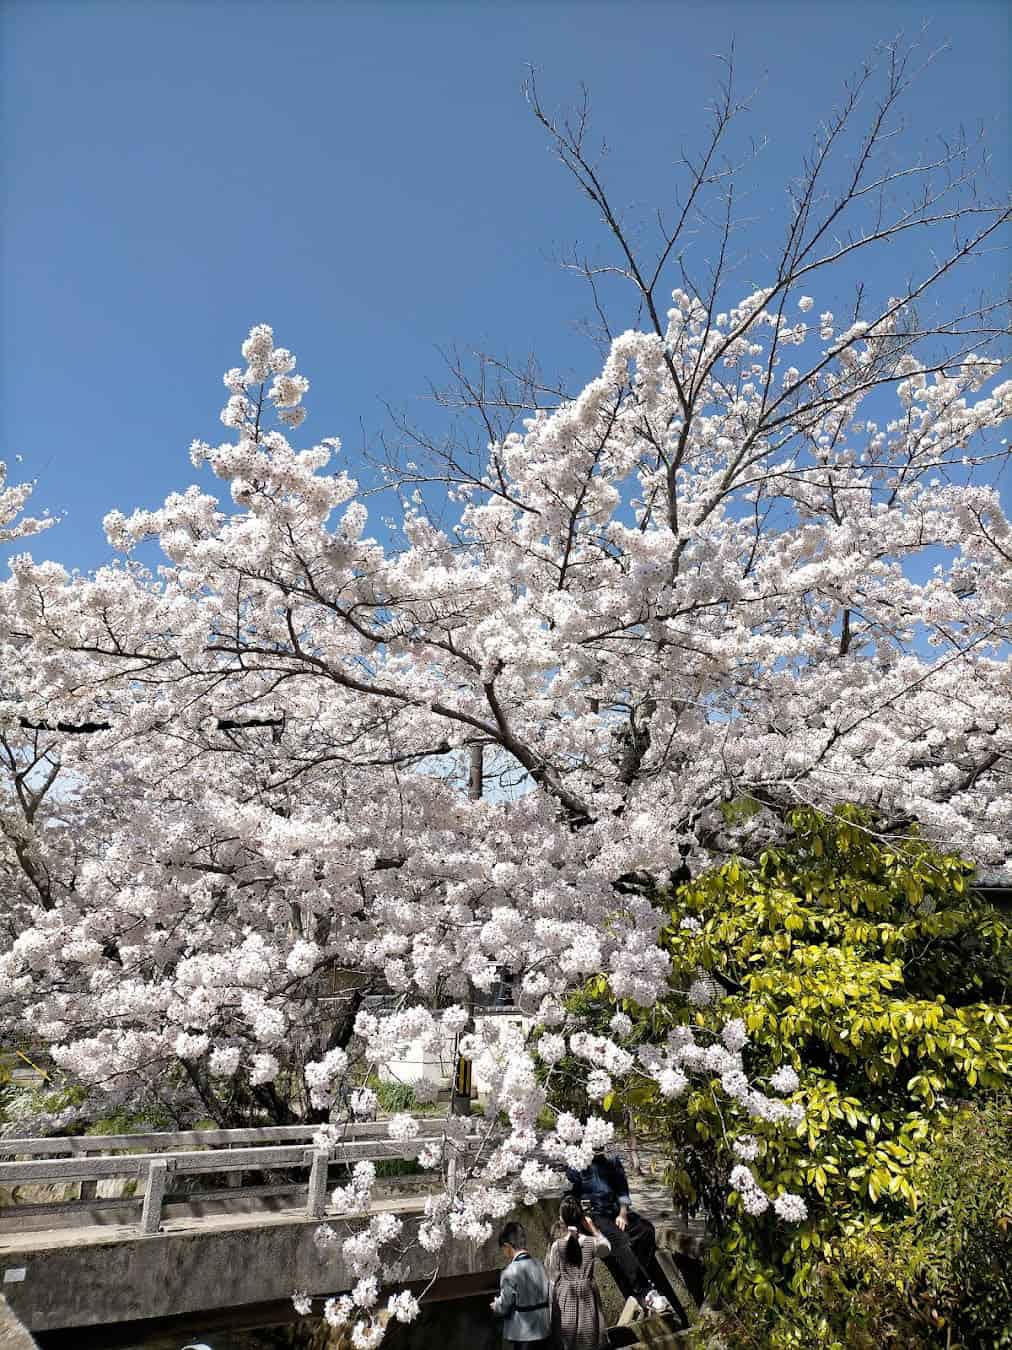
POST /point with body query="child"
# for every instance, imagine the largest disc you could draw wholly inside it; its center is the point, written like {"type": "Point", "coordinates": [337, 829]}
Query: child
{"type": "Point", "coordinates": [577, 1315]}
{"type": "Point", "coordinates": [523, 1293]}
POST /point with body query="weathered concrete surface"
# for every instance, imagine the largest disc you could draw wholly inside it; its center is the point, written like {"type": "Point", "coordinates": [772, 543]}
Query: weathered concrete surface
{"type": "Point", "coordinates": [98, 1275]}
{"type": "Point", "coordinates": [93, 1277]}
{"type": "Point", "coordinates": [13, 1335]}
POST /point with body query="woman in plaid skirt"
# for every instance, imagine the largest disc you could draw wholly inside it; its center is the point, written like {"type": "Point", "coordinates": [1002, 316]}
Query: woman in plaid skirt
{"type": "Point", "coordinates": [577, 1315]}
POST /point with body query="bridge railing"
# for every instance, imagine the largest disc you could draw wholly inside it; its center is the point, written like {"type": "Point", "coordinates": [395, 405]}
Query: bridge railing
{"type": "Point", "coordinates": [192, 1153]}
{"type": "Point", "coordinates": [174, 1140]}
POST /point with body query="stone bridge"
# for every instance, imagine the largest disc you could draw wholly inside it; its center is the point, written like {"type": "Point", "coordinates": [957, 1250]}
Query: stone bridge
{"type": "Point", "coordinates": [101, 1257]}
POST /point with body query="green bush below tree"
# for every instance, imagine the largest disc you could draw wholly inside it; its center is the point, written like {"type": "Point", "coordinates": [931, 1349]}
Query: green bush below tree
{"type": "Point", "coordinates": [872, 969]}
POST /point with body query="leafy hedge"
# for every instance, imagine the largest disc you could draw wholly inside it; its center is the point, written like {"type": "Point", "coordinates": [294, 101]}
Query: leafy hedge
{"type": "Point", "coordinates": [945, 1271]}
{"type": "Point", "coordinates": [875, 971]}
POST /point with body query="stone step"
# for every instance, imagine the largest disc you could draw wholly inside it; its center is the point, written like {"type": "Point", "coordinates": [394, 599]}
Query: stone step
{"type": "Point", "coordinates": [654, 1332]}
{"type": "Point", "coordinates": [13, 1335]}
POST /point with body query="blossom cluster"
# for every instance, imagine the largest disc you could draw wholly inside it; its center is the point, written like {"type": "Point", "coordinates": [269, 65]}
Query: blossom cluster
{"type": "Point", "coordinates": [644, 607]}
{"type": "Point", "coordinates": [787, 1206]}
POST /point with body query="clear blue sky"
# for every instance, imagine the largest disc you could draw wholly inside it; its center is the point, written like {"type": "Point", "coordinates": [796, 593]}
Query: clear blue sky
{"type": "Point", "coordinates": [365, 178]}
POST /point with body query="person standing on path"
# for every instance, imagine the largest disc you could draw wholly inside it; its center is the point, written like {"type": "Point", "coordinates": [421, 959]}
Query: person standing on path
{"type": "Point", "coordinates": [523, 1299]}
{"type": "Point", "coordinates": [604, 1190]}
{"type": "Point", "coordinates": [578, 1321]}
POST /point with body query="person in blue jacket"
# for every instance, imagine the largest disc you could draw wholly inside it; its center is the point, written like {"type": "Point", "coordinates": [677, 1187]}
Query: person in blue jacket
{"type": "Point", "coordinates": [603, 1189]}
{"type": "Point", "coordinates": [524, 1299]}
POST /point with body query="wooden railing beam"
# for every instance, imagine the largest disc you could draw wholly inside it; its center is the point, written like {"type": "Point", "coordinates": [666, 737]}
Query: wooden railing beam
{"type": "Point", "coordinates": [210, 1160]}
{"type": "Point", "coordinates": [153, 1169]}
{"type": "Point", "coordinates": [157, 1141]}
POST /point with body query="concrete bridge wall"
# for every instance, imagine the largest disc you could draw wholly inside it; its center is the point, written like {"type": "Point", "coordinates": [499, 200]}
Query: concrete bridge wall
{"type": "Point", "coordinates": [97, 1277]}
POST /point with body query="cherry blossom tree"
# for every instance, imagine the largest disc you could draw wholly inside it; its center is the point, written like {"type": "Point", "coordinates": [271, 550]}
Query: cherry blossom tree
{"type": "Point", "coordinates": [760, 556]}
{"type": "Point", "coordinates": [13, 524]}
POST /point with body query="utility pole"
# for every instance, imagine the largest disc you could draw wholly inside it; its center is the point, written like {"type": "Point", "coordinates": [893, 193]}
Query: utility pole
{"type": "Point", "coordinates": [460, 1100]}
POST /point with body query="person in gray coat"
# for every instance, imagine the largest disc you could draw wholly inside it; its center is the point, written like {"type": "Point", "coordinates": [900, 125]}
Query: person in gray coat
{"type": "Point", "coordinates": [523, 1300]}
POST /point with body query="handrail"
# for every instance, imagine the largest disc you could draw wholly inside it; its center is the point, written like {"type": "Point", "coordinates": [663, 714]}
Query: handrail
{"type": "Point", "coordinates": [155, 1168]}
{"type": "Point", "coordinates": [157, 1140]}
{"type": "Point", "coordinates": [209, 1160]}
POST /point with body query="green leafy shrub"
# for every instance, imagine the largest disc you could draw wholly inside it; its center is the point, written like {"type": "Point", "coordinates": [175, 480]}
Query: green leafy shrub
{"type": "Point", "coordinates": [393, 1097]}
{"type": "Point", "coordinates": [946, 1268]}
{"type": "Point", "coordinates": [138, 1122]}
{"type": "Point", "coordinates": [877, 974]}
{"type": "Point", "coordinates": [398, 1167]}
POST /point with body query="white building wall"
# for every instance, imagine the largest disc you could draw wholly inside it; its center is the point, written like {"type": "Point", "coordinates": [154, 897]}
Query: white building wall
{"type": "Point", "coordinates": [419, 1064]}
